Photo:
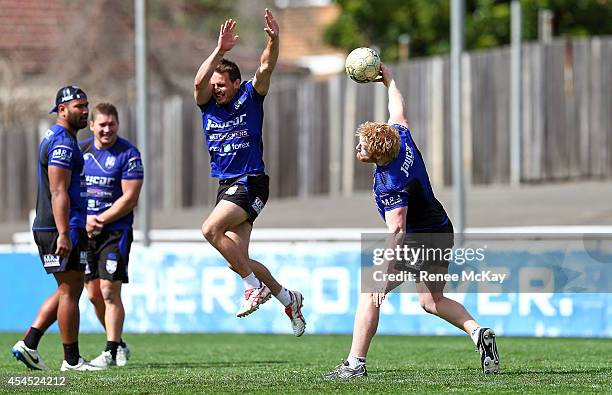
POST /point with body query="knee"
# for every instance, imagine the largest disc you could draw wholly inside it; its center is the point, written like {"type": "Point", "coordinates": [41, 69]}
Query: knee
{"type": "Point", "coordinates": [429, 304]}
{"type": "Point", "coordinates": [71, 290]}
{"type": "Point", "coordinates": [95, 298]}
{"type": "Point", "coordinates": [211, 232]}
{"type": "Point", "coordinates": [110, 295]}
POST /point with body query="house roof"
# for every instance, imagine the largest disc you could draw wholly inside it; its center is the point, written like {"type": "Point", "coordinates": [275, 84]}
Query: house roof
{"type": "Point", "coordinates": [302, 30]}
{"type": "Point", "coordinates": [30, 32]}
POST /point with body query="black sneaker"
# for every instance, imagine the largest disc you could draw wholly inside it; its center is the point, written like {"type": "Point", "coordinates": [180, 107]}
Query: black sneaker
{"type": "Point", "coordinates": [344, 371]}
{"type": "Point", "coordinates": [489, 357]}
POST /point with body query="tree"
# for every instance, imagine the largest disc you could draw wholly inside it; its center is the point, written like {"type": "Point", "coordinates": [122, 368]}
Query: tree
{"type": "Point", "coordinates": [380, 23]}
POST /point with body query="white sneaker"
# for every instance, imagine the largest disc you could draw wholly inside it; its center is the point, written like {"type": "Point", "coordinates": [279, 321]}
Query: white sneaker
{"type": "Point", "coordinates": [81, 366]}
{"type": "Point", "coordinates": [123, 354]}
{"type": "Point", "coordinates": [103, 360]}
{"type": "Point", "coordinates": [31, 358]}
{"type": "Point", "coordinates": [294, 311]}
{"type": "Point", "coordinates": [253, 298]}
{"type": "Point", "coordinates": [345, 372]}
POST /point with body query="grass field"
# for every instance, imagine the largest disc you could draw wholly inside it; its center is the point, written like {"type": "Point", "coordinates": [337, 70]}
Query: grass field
{"type": "Point", "coordinates": [232, 363]}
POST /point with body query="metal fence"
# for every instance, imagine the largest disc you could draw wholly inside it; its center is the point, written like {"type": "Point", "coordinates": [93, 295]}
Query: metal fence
{"type": "Point", "coordinates": [309, 128]}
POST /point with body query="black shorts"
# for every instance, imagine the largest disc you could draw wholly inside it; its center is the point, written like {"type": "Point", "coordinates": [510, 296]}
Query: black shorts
{"type": "Point", "coordinates": [250, 192]}
{"type": "Point", "coordinates": [434, 244]}
{"type": "Point", "coordinates": [47, 244]}
{"type": "Point", "coordinates": [108, 256]}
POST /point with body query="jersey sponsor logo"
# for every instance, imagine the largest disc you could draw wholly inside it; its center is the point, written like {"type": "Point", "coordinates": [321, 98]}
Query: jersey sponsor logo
{"type": "Point", "coordinates": [257, 205]}
{"type": "Point", "coordinates": [229, 148]}
{"type": "Point", "coordinates": [100, 193]}
{"type": "Point", "coordinates": [51, 260]}
{"type": "Point", "coordinates": [100, 180]}
{"type": "Point", "coordinates": [61, 154]}
{"type": "Point", "coordinates": [390, 200]}
{"type": "Point", "coordinates": [83, 257]}
{"type": "Point", "coordinates": [239, 120]}
{"type": "Point", "coordinates": [96, 205]}
{"type": "Point", "coordinates": [408, 161]}
{"type": "Point", "coordinates": [110, 162]}
{"type": "Point", "coordinates": [236, 146]}
{"type": "Point", "coordinates": [228, 136]}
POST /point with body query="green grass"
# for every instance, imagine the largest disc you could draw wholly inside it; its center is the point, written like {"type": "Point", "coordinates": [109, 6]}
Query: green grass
{"type": "Point", "coordinates": [231, 363]}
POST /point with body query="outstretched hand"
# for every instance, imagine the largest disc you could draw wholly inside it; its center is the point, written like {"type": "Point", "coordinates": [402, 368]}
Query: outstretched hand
{"type": "Point", "coordinates": [271, 28]}
{"type": "Point", "coordinates": [227, 39]}
{"type": "Point", "coordinates": [384, 75]}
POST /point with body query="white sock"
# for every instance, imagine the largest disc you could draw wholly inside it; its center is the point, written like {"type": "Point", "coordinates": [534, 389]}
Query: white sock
{"type": "Point", "coordinates": [355, 362]}
{"type": "Point", "coordinates": [284, 296]}
{"type": "Point", "coordinates": [251, 281]}
{"type": "Point", "coordinates": [474, 335]}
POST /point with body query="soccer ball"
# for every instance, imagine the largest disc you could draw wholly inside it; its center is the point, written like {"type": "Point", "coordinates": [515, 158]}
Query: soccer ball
{"type": "Point", "coordinates": [362, 65]}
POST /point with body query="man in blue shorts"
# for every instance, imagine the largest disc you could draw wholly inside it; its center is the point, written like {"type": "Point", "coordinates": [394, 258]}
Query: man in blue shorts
{"type": "Point", "coordinates": [232, 118]}
{"type": "Point", "coordinates": [59, 231]}
{"type": "Point", "coordinates": [114, 174]}
{"type": "Point", "coordinates": [410, 210]}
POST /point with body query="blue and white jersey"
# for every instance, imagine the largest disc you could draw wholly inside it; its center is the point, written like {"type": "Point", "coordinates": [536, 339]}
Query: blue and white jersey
{"type": "Point", "coordinates": [104, 171]}
{"type": "Point", "coordinates": [60, 148]}
{"type": "Point", "coordinates": [404, 182]}
{"type": "Point", "coordinates": [233, 133]}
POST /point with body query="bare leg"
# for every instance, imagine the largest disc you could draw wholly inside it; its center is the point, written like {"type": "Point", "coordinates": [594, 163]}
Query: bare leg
{"type": "Point", "coordinates": [225, 216]}
{"type": "Point", "coordinates": [433, 301]}
{"type": "Point", "coordinates": [95, 297]}
{"type": "Point", "coordinates": [47, 314]}
{"type": "Point", "coordinates": [241, 235]}
{"type": "Point", "coordinates": [366, 323]}
{"type": "Point", "coordinates": [115, 313]}
{"type": "Point", "coordinates": [70, 287]}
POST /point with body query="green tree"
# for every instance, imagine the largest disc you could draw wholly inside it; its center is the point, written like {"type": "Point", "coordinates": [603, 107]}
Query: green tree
{"type": "Point", "coordinates": [379, 23]}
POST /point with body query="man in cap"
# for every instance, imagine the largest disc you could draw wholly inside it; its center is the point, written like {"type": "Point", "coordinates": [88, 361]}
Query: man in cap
{"type": "Point", "coordinates": [59, 231]}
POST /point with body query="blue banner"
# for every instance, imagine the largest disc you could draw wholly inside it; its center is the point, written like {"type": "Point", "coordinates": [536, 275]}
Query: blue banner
{"type": "Point", "coordinates": [189, 288]}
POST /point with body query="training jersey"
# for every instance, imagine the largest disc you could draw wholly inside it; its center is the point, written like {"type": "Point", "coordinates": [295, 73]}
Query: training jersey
{"type": "Point", "coordinates": [404, 182]}
{"type": "Point", "coordinates": [233, 133]}
{"type": "Point", "coordinates": [104, 171]}
{"type": "Point", "coordinates": [60, 148]}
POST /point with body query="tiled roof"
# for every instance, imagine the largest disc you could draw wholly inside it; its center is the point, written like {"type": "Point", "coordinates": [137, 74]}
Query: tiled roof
{"type": "Point", "coordinates": [302, 30]}
{"type": "Point", "coordinates": [30, 31]}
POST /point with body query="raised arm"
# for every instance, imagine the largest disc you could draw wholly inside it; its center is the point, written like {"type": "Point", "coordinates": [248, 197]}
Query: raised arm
{"type": "Point", "coordinates": [202, 87]}
{"type": "Point", "coordinates": [396, 100]}
{"type": "Point", "coordinates": [261, 81]}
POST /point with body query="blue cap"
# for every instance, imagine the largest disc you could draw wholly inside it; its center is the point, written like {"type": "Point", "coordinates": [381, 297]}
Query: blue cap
{"type": "Point", "coordinates": [66, 94]}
